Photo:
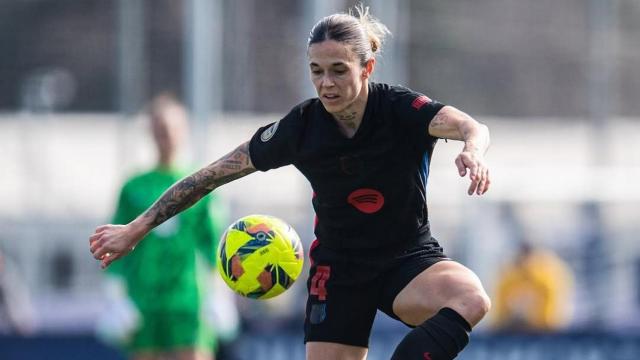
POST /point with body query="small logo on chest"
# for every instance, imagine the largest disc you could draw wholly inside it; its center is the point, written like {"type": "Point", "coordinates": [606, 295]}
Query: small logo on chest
{"type": "Point", "coordinates": [368, 201]}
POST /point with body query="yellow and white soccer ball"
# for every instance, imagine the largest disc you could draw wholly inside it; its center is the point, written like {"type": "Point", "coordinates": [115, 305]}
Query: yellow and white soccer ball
{"type": "Point", "coordinates": [260, 256]}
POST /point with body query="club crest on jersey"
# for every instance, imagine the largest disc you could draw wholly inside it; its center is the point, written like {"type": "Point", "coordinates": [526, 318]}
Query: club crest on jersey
{"type": "Point", "coordinates": [268, 134]}
{"type": "Point", "coordinates": [368, 201]}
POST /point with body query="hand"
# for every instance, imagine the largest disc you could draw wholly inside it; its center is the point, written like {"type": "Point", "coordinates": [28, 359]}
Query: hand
{"type": "Point", "coordinates": [111, 242]}
{"type": "Point", "coordinates": [478, 171]}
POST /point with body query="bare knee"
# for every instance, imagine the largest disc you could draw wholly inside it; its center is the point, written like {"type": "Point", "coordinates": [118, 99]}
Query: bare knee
{"type": "Point", "coordinates": [472, 305]}
{"type": "Point", "coordinates": [445, 284]}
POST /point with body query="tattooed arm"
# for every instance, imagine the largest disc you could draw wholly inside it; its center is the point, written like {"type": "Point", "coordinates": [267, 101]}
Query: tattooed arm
{"type": "Point", "coordinates": [189, 190]}
{"type": "Point", "coordinates": [451, 123]}
{"type": "Point", "coordinates": [111, 242]}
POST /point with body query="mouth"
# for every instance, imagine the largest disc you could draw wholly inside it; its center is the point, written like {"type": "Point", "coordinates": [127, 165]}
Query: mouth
{"type": "Point", "coordinates": [330, 97]}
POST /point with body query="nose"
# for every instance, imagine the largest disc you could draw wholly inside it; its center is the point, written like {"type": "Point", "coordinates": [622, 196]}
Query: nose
{"type": "Point", "coordinates": [327, 81]}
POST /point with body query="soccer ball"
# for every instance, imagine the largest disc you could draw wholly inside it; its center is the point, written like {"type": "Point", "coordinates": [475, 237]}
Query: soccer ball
{"type": "Point", "coordinates": [260, 256]}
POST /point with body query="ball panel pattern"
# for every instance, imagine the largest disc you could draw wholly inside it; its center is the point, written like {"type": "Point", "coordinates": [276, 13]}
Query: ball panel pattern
{"type": "Point", "coordinates": [260, 256]}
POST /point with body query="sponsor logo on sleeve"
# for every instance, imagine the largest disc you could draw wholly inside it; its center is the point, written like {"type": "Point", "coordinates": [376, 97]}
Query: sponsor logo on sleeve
{"type": "Point", "coordinates": [420, 101]}
{"type": "Point", "coordinates": [268, 133]}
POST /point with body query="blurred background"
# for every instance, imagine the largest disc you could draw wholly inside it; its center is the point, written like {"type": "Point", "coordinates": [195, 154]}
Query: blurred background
{"type": "Point", "coordinates": [555, 241]}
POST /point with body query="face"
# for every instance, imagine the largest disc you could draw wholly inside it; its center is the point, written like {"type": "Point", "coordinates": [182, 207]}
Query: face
{"type": "Point", "coordinates": [169, 127]}
{"type": "Point", "coordinates": [337, 75]}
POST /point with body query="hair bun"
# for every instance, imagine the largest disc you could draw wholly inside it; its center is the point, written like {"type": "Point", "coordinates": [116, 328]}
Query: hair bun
{"type": "Point", "coordinates": [375, 30]}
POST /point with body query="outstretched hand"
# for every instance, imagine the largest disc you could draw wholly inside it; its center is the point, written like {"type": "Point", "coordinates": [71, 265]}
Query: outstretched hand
{"type": "Point", "coordinates": [477, 169]}
{"type": "Point", "coordinates": [111, 242]}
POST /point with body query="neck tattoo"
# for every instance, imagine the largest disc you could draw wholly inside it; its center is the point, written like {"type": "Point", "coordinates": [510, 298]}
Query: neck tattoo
{"type": "Point", "coordinates": [348, 119]}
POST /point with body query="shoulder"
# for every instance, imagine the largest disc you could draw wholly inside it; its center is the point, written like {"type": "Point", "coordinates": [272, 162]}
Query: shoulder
{"type": "Point", "coordinates": [400, 93]}
{"type": "Point", "coordinates": [403, 99]}
{"type": "Point", "coordinates": [305, 108]}
{"type": "Point", "coordinates": [276, 144]}
{"type": "Point", "coordinates": [387, 90]}
{"type": "Point", "coordinates": [133, 184]}
{"type": "Point", "coordinates": [138, 178]}
{"type": "Point", "coordinates": [408, 101]}
{"type": "Point", "coordinates": [142, 179]}
{"type": "Point", "coordinates": [297, 117]}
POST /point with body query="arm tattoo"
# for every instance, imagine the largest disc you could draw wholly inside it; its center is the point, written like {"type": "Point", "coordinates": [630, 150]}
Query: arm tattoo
{"type": "Point", "coordinates": [439, 120]}
{"type": "Point", "coordinates": [189, 190]}
{"type": "Point", "coordinates": [449, 123]}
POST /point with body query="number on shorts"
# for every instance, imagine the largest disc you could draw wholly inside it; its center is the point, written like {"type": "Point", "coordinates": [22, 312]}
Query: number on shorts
{"type": "Point", "coordinates": [319, 282]}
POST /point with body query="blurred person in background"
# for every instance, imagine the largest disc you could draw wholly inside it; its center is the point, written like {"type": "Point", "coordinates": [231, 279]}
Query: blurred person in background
{"type": "Point", "coordinates": [162, 299]}
{"type": "Point", "coordinates": [534, 292]}
{"type": "Point", "coordinates": [365, 147]}
{"type": "Point", "coordinates": [17, 315]}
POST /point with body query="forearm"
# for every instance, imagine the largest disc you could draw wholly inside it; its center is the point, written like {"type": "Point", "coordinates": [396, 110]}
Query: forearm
{"type": "Point", "coordinates": [451, 123]}
{"type": "Point", "coordinates": [194, 187]}
{"type": "Point", "coordinates": [178, 198]}
{"type": "Point", "coordinates": [475, 136]}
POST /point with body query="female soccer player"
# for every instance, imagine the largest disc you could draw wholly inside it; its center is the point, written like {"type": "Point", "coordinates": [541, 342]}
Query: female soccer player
{"type": "Point", "coordinates": [365, 148]}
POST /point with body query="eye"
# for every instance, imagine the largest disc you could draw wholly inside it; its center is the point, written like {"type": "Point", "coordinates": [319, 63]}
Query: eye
{"type": "Point", "coordinates": [340, 70]}
{"type": "Point", "coordinates": [316, 72]}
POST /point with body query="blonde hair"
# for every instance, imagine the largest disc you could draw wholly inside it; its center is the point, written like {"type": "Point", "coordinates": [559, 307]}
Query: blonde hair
{"type": "Point", "coordinates": [362, 32]}
{"type": "Point", "coordinates": [163, 101]}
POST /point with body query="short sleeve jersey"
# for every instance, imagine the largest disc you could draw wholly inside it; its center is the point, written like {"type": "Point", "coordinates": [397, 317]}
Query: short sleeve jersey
{"type": "Point", "coordinates": [370, 189]}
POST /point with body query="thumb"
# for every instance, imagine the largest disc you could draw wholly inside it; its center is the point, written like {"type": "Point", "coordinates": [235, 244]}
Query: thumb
{"type": "Point", "coordinates": [462, 168]}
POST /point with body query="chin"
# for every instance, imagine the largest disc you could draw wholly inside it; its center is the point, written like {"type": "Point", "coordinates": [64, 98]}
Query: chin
{"type": "Point", "coordinates": [334, 108]}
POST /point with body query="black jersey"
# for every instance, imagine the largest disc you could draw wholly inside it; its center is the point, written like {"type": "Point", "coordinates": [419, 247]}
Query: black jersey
{"type": "Point", "coordinates": [369, 190]}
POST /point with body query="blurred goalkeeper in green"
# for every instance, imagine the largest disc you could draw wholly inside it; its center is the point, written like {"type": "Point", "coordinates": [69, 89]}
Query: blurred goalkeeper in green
{"type": "Point", "coordinates": [160, 296]}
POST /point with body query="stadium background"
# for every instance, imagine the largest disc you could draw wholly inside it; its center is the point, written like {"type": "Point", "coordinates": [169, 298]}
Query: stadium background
{"type": "Point", "coordinates": [557, 82]}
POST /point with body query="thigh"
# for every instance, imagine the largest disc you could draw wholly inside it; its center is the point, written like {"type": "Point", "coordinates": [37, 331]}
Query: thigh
{"type": "Point", "coordinates": [403, 270]}
{"type": "Point", "coordinates": [169, 331]}
{"type": "Point", "coordinates": [333, 351]}
{"type": "Point", "coordinates": [341, 303]}
{"type": "Point", "coordinates": [445, 284]}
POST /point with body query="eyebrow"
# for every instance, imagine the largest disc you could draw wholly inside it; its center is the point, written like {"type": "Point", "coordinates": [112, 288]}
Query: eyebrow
{"type": "Point", "coordinates": [339, 63]}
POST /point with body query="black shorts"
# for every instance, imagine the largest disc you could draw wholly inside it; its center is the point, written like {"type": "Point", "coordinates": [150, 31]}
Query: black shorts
{"type": "Point", "coordinates": [346, 288]}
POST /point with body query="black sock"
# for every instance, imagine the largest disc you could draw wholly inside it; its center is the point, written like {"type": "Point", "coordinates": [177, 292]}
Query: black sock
{"type": "Point", "coordinates": [441, 337]}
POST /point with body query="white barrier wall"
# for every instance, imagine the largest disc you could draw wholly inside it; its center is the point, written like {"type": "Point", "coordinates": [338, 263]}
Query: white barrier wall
{"type": "Point", "coordinates": [59, 177]}
{"type": "Point", "coordinates": [71, 164]}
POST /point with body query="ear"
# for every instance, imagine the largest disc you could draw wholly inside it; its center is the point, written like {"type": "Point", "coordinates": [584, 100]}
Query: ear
{"type": "Point", "coordinates": [367, 70]}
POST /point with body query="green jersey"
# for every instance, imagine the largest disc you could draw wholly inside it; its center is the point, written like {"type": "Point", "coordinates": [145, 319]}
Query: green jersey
{"type": "Point", "coordinates": [161, 273]}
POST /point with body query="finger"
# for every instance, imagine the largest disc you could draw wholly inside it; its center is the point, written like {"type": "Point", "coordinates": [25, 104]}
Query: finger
{"type": "Point", "coordinates": [101, 228]}
{"type": "Point", "coordinates": [96, 245]}
{"type": "Point", "coordinates": [109, 259]}
{"type": "Point", "coordinates": [486, 187]}
{"type": "Point", "coordinates": [474, 171]}
{"type": "Point", "coordinates": [101, 252]}
{"type": "Point", "coordinates": [487, 182]}
{"type": "Point", "coordinates": [481, 179]}
{"type": "Point", "coordinates": [472, 187]}
{"type": "Point", "coordinates": [462, 169]}
{"type": "Point", "coordinates": [481, 185]}
{"type": "Point", "coordinates": [94, 237]}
